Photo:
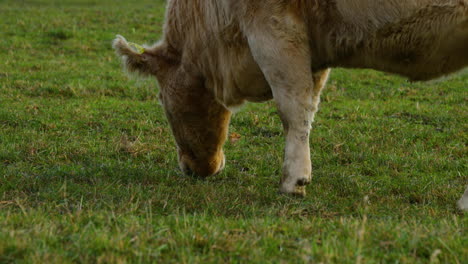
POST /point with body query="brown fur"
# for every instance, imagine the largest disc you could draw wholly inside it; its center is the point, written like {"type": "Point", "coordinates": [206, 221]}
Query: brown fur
{"type": "Point", "coordinates": [214, 55]}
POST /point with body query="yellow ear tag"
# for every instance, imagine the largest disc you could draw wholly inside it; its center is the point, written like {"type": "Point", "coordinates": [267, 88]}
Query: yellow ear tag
{"type": "Point", "coordinates": [137, 47]}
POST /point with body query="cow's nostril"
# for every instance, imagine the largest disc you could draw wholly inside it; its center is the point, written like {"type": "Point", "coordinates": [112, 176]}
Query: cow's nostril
{"type": "Point", "coordinates": [186, 169]}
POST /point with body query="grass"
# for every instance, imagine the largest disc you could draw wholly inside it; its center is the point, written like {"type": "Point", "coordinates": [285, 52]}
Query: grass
{"type": "Point", "coordinates": [88, 169]}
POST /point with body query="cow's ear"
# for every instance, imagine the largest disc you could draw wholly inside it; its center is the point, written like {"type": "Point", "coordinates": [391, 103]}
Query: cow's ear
{"type": "Point", "coordinates": [134, 57]}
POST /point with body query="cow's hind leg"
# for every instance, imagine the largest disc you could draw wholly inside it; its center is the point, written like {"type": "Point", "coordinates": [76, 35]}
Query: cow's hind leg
{"type": "Point", "coordinates": [281, 50]}
{"type": "Point", "coordinates": [463, 202]}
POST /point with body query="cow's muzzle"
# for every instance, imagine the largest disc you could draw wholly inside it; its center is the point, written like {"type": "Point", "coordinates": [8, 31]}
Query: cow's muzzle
{"type": "Point", "coordinates": [202, 167]}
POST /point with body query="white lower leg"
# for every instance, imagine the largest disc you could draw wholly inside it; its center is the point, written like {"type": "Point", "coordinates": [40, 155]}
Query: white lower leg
{"type": "Point", "coordinates": [296, 115]}
{"type": "Point", "coordinates": [297, 167]}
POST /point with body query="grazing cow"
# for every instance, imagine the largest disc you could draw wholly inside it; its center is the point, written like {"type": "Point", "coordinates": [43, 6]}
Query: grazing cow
{"type": "Point", "coordinates": [216, 54]}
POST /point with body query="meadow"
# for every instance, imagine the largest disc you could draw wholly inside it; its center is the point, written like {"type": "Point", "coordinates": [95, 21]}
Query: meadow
{"type": "Point", "coordinates": [88, 168]}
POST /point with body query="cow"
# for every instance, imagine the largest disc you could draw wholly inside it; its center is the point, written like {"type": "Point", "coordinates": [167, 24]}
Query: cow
{"type": "Point", "coordinates": [215, 55]}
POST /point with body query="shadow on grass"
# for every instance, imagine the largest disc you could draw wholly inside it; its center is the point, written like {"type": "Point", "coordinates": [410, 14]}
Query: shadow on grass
{"type": "Point", "coordinates": [135, 187]}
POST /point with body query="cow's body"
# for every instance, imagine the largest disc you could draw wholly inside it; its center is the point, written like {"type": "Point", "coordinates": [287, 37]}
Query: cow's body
{"type": "Point", "coordinates": [214, 55]}
{"type": "Point", "coordinates": [213, 35]}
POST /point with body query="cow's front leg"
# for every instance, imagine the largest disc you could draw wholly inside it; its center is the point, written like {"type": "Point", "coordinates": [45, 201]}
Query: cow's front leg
{"type": "Point", "coordinates": [297, 114]}
{"type": "Point", "coordinates": [284, 57]}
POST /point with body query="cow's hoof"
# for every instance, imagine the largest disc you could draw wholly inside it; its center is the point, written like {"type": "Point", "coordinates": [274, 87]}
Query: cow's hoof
{"type": "Point", "coordinates": [303, 182]}
{"type": "Point", "coordinates": [297, 191]}
{"type": "Point", "coordinates": [294, 187]}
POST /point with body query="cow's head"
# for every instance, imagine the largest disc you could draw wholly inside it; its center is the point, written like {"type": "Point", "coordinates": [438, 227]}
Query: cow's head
{"type": "Point", "coordinates": [199, 123]}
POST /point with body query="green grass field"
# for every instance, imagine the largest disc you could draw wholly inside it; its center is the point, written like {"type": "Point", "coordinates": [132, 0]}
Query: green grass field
{"type": "Point", "coordinates": [88, 169]}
